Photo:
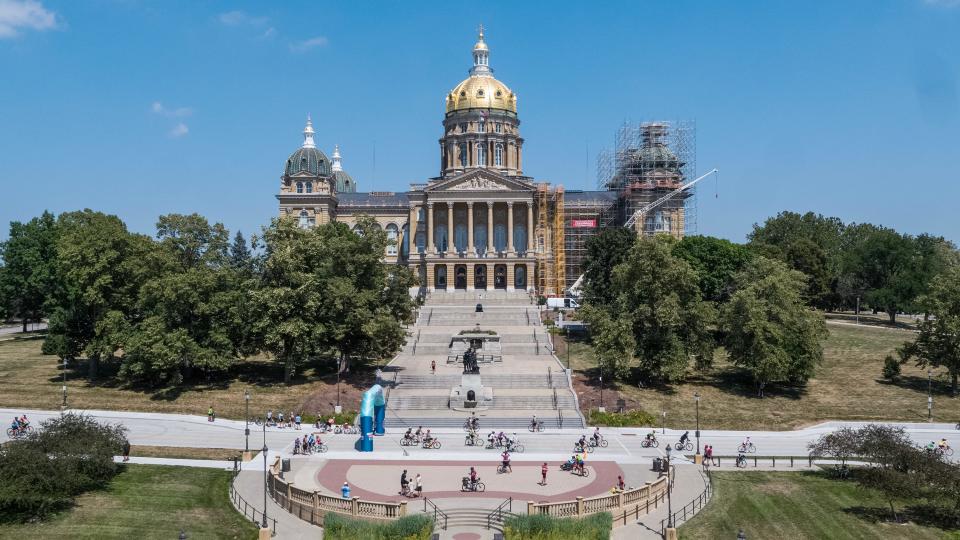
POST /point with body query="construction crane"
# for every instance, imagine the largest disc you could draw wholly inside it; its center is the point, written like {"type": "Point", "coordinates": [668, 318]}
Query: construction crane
{"type": "Point", "coordinates": [639, 214]}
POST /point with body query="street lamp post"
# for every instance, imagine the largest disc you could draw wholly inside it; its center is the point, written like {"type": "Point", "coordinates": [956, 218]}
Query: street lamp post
{"type": "Point", "coordinates": [669, 490]}
{"type": "Point", "coordinates": [64, 406]}
{"type": "Point", "coordinates": [601, 387]}
{"type": "Point", "coordinates": [696, 398]}
{"type": "Point", "coordinates": [929, 395]}
{"type": "Point", "coordinates": [263, 524]}
{"type": "Point", "coordinates": [246, 431]}
{"type": "Point", "coordinates": [663, 423]}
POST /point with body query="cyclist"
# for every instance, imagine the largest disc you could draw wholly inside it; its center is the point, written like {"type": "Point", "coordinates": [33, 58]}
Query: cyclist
{"type": "Point", "coordinates": [408, 435]}
{"type": "Point", "coordinates": [427, 438]}
{"type": "Point", "coordinates": [534, 422]}
{"type": "Point", "coordinates": [582, 443]}
{"type": "Point", "coordinates": [500, 438]}
{"type": "Point", "coordinates": [579, 464]}
{"type": "Point", "coordinates": [506, 461]}
{"type": "Point", "coordinates": [15, 425]}
{"type": "Point", "coordinates": [269, 418]}
{"type": "Point", "coordinates": [651, 437]}
{"type": "Point", "coordinates": [417, 434]}
{"type": "Point", "coordinates": [746, 442]}
{"type": "Point", "coordinates": [931, 447]}
{"type": "Point", "coordinates": [473, 422]}
{"type": "Point", "coordinates": [942, 445]}
{"type": "Point", "coordinates": [492, 437]}
{"type": "Point", "coordinates": [684, 438]}
{"type": "Point", "coordinates": [474, 478]}
{"type": "Point", "coordinates": [596, 435]}
{"type": "Point", "coordinates": [741, 459]}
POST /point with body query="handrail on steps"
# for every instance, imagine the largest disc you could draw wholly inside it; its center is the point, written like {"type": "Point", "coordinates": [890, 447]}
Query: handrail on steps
{"type": "Point", "coordinates": [497, 514]}
{"type": "Point", "coordinates": [436, 512]}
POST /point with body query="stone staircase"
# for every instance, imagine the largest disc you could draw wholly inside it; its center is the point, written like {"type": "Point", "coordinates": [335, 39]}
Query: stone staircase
{"type": "Point", "coordinates": [513, 403]}
{"type": "Point", "coordinates": [550, 420]}
{"type": "Point", "coordinates": [522, 380]}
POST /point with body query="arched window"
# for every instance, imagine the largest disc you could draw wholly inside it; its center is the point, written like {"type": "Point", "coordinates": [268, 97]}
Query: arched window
{"type": "Point", "coordinates": [498, 155]}
{"type": "Point", "coordinates": [309, 187]}
{"type": "Point", "coordinates": [304, 220]}
{"type": "Point", "coordinates": [393, 233]}
{"type": "Point", "coordinates": [299, 187]}
{"type": "Point", "coordinates": [481, 154]}
{"type": "Point", "coordinates": [463, 154]}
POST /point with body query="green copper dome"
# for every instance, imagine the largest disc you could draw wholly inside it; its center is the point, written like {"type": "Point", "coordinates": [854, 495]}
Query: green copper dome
{"type": "Point", "coordinates": [344, 183]}
{"type": "Point", "coordinates": [309, 160]}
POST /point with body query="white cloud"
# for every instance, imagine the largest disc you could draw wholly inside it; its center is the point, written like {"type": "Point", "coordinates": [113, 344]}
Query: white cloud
{"type": "Point", "coordinates": [241, 18]}
{"type": "Point", "coordinates": [18, 15]}
{"type": "Point", "coordinates": [178, 112]}
{"type": "Point", "coordinates": [307, 44]}
{"type": "Point", "coordinates": [179, 130]}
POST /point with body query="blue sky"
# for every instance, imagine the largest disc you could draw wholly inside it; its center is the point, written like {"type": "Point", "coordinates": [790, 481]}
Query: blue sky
{"type": "Point", "coordinates": [145, 108]}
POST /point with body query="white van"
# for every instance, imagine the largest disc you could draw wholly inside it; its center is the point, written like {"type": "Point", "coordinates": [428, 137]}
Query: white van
{"type": "Point", "coordinates": [562, 303]}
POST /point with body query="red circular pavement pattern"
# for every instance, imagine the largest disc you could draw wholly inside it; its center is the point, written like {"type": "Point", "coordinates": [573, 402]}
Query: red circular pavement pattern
{"type": "Point", "coordinates": [380, 480]}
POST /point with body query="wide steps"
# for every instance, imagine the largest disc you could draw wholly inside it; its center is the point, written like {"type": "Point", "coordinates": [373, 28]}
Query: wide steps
{"type": "Point", "coordinates": [494, 381]}
{"type": "Point", "coordinates": [570, 421]}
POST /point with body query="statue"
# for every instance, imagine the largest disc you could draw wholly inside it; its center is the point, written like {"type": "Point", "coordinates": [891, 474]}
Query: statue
{"type": "Point", "coordinates": [470, 361]}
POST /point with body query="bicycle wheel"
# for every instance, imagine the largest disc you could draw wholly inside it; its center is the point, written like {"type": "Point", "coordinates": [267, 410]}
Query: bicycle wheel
{"type": "Point", "coordinates": [948, 451]}
{"type": "Point", "coordinates": [585, 473]}
{"type": "Point", "coordinates": [480, 487]}
{"type": "Point", "coordinates": [589, 449]}
{"type": "Point", "coordinates": [753, 448]}
{"type": "Point", "coordinates": [436, 444]}
{"type": "Point", "coordinates": [603, 443]}
{"type": "Point", "coordinates": [656, 443]}
{"type": "Point", "coordinates": [11, 433]}
{"type": "Point", "coordinates": [518, 448]}
{"type": "Point", "coordinates": [688, 447]}
{"type": "Point", "coordinates": [322, 448]}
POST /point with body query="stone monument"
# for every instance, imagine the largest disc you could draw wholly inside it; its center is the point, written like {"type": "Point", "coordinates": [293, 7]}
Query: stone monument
{"type": "Point", "coordinates": [470, 394]}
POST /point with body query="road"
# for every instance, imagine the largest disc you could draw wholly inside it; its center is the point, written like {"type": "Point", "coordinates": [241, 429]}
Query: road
{"type": "Point", "coordinates": [624, 443]}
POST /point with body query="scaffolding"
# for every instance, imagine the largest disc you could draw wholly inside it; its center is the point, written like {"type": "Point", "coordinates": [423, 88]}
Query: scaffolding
{"type": "Point", "coordinates": [648, 161]}
{"type": "Point", "coordinates": [587, 213]}
{"type": "Point", "coordinates": [559, 250]}
{"type": "Point", "coordinates": [545, 273]}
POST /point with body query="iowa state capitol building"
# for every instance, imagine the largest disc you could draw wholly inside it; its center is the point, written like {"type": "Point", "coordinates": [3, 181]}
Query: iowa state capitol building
{"type": "Point", "coordinates": [482, 223]}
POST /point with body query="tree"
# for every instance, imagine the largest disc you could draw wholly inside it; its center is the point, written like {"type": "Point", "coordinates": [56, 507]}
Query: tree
{"type": "Point", "coordinates": [186, 309]}
{"type": "Point", "coordinates": [884, 260]}
{"type": "Point", "coordinates": [613, 341]}
{"type": "Point", "coordinates": [715, 261]}
{"type": "Point", "coordinates": [69, 455]}
{"type": "Point", "coordinates": [937, 345]}
{"type": "Point", "coordinates": [810, 243]}
{"type": "Point", "coordinates": [100, 268]}
{"type": "Point", "coordinates": [29, 275]}
{"type": "Point", "coordinates": [606, 250]}
{"type": "Point", "coordinates": [241, 258]}
{"type": "Point", "coordinates": [656, 295]}
{"type": "Point", "coordinates": [768, 329]}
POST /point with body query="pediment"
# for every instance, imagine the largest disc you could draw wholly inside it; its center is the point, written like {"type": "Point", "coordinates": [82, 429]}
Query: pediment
{"type": "Point", "coordinates": [479, 180]}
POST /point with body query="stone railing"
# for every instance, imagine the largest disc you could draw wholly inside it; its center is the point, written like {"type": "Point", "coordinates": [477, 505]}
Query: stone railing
{"type": "Point", "coordinates": [312, 506]}
{"type": "Point", "coordinates": [635, 502]}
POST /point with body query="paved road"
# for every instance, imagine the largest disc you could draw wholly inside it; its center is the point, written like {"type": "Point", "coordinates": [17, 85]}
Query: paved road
{"type": "Point", "coordinates": [624, 444]}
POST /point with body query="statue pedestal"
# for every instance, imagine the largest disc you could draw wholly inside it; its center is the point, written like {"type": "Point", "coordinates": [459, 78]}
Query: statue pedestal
{"type": "Point", "coordinates": [471, 395]}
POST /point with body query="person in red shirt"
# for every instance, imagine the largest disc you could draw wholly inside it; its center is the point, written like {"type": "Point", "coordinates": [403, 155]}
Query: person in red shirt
{"type": "Point", "coordinates": [543, 473]}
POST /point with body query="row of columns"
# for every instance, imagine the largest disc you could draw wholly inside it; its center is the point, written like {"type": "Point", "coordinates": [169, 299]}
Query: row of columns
{"type": "Point", "coordinates": [451, 248]}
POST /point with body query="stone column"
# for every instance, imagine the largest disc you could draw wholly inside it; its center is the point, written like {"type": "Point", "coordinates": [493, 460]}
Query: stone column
{"type": "Point", "coordinates": [431, 248]}
{"type": "Point", "coordinates": [510, 228]}
{"type": "Point", "coordinates": [511, 276]}
{"type": "Point", "coordinates": [470, 277]}
{"type": "Point", "coordinates": [430, 283]}
{"type": "Point", "coordinates": [451, 249]}
{"type": "Point", "coordinates": [530, 239]}
{"type": "Point", "coordinates": [470, 251]}
{"type": "Point", "coordinates": [412, 231]}
{"type": "Point", "coordinates": [489, 228]}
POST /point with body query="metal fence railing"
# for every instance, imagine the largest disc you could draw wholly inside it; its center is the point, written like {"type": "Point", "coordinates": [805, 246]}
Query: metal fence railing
{"type": "Point", "coordinates": [691, 508]}
{"type": "Point", "coordinates": [248, 510]}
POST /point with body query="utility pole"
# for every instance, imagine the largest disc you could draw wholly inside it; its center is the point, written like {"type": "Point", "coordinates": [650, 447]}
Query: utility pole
{"type": "Point", "coordinates": [929, 395]}
{"type": "Point", "coordinates": [63, 407]}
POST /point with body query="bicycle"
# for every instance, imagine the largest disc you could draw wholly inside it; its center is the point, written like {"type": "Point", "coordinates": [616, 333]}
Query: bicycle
{"type": "Point", "coordinates": [433, 443]}
{"type": "Point", "coordinates": [577, 449]}
{"type": "Point", "coordinates": [945, 451]}
{"type": "Point", "coordinates": [749, 448]}
{"type": "Point", "coordinates": [20, 432]}
{"type": "Point", "coordinates": [319, 449]}
{"type": "Point", "coordinates": [467, 485]}
{"type": "Point", "coordinates": [348, 430]}
{"type": "Point", "coordinates": [502, 470]}
{"type": "Point", "coordinates": [409, 441]}
{"type": "Point", "coordinates": [688, 446]}
{"type": "Point", "coordinates": [467, 425]}
{"type": "Point", "coordinates": [649, 443]}
{"type": "Point", "coordinates": [471, 441]}
{"type": "Point", "coordinates": [741, 462]}
{"type": "Point", "coordinates": [582, 471]}
{"type": "Point", "coordinates": [535, 426]}
{"type": "Point", "coordinates": [515, 448]}
{"type": "Point", "coordinates": [602, 443]}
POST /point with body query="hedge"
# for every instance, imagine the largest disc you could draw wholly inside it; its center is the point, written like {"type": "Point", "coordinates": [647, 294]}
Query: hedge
{"type": "Point", "coordinates": [543, 527]}
{"type": "Point", "coordinates": [415, 527]}
{"type": "Point", "coordinates": [632, 418]}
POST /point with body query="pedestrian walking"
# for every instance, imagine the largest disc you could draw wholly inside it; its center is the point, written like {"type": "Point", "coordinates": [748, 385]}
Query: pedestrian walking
{"type": "Point", "coordinates": [404, 484]}
{"type": "Point", "coordinates": [433, 367]}
{"type": "Point", "coordinates": [379, 375]}
{"type": "Point", "coordinates": [543, 474]}
{"type": "Point", "coordinates": [296, 420]}
{"type": "Point", "coordinates": [126, 451]}
{"type": "Point", "coordinates": [345, 490]}
{"type": "Point", "coordinates": [419, 492]}
{"type": "Point", "coordinates": [210, 414]}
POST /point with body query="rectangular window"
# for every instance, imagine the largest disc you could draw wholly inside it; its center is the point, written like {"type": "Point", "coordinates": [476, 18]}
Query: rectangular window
{"type": "Point", "coordinates": [482, 127]}
{"type": "Point", "coordinates": [463, 127]}
{"type": "Point", "coordinates": [498, 127]}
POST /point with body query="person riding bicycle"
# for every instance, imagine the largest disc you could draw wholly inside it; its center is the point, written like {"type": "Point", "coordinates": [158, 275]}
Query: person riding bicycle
{"type": "Point", "coordinates": [408, 435]}
{"type": "Point", "coordinates": [652, 436]}
{"type": "Point", "coordinates": [684, 438]}
{"type": "Point", "coordinates": [501, 437]}
{"type": "Point", "coordinates": [505, 456]}
{"type": "Point", "coordinates": [534, 423]}
{"type": "Point", "coordinates": [15, 425]}
{"type": "Point", "coordinates": [492, 437]}
{"type": "Point", "coordinates": [931, 447]}
{"type": "Point", "coordinates": [746, 443]}
{"type": "Point", "coordinates": [474, 478]}
{"type": "Point", "coordinates": [596, 435]}
{"type": "Point", "coordinates": [741, 459]}
{"type": "Point", "coordinates": [473, 422]}
{"type": "Point", "coordinates": [942, 445]}
{"type": "Point", "coordinates": [417, 434]}
{"type": "Point", "coordinates": [427, 437]}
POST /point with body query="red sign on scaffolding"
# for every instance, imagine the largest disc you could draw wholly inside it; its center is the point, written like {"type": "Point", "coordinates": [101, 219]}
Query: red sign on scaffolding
{"type": "Point", "coordinates": [583, 223]}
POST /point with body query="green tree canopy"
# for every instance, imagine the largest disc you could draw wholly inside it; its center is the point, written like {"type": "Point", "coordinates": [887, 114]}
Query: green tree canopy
{"type": "Point", "coordinates": [606, 250]}
{"type": "Point", "coordinates": [656, 295]}
{"type": "Point", "coordinates": [937, 344]}
{"type": "Point", "coordinates": [715, 261]}
{"type": "Point", "coordinates": [768, 329]}
{"type": "Point", "coordinates": [29, 268]}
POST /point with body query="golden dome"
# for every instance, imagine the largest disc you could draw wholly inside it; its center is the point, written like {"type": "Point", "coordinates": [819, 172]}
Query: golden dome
{"type": "Point", "coordinates": [481, 92]}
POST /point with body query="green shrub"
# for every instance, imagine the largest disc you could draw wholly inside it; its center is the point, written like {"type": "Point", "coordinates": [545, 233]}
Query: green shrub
{"type": "Point", "coordinates": [891, 368]}
{"type": "Point", "coordinates": [637, 417]}
{"type": "Point", "coordinates": [65, 457]}
{"type": "Point", "coordinates": [543, 527]}
{"type": "Point", "coordinates": [340, 527]}
{"type": "Point", "coordinates": [346, 417]}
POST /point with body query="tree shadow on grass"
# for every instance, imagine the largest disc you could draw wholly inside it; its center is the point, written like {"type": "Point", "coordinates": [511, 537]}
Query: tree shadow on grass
{"type": "Point", "coordinates": [920, 384]}
{"type": "Point", "coordinates": [735, 381]}
{"type": "Point", "coordinates": [923, 514]}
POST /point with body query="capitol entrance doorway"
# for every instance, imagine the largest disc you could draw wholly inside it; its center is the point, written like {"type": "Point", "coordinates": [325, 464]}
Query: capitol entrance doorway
{"type": "Point", "coordinates": [500, 276]}
{"type": "Point", "coordinates": [480, 277]}
{"type": "Point", "coordinates": [460, 276]}
{"type": "Point", "coordinates": [440, 276]}
{"type": "Point", "coordinates": [520, 277]}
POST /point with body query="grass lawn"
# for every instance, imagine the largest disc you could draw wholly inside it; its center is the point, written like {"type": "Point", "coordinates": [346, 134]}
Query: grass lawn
{"type": "Point", "coordinates": [847, 386]}
{"type": "Point", "coordinates": [32, 380]}
{"type": "Point", "coordinates": [177, 452]}
{"type": "Point", "coordinates": [795, 506]}
{"type": "Point", "coordinates": [145, 502]}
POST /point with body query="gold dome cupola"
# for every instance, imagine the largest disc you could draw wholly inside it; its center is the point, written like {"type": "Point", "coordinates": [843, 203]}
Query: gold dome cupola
{"type": "Point", "coordinates": [481, 90]}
